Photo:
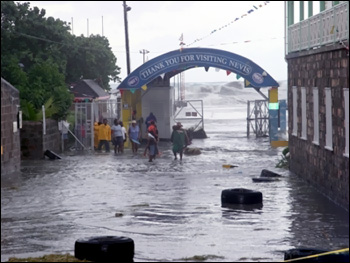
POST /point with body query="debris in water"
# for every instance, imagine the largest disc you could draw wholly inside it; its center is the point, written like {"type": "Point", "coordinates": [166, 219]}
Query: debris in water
{"type": "Point", "coordinates": [202, 258]}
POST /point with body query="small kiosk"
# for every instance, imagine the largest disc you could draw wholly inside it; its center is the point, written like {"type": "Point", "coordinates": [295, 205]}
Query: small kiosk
{"type": "Point", "coordinates": [156, 97]}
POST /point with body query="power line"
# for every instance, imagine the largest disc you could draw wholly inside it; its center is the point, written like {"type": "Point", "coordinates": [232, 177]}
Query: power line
{"type": "Point", "coordinates": [55, 42]}
{"type": "Point", "coordinates": [244, 14]}
{"type": "Point", "coordinates": [137, 52]}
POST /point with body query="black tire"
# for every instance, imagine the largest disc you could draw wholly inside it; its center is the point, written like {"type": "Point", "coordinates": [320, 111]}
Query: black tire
{"type": "Point", "coordinates": [264, 180]}
{"type": "Point", "coordinates": [267, 173]}
{"type": "Point", "coordinates": [105, 248]}
{"type": "Point", "coordinates": [240, 196]}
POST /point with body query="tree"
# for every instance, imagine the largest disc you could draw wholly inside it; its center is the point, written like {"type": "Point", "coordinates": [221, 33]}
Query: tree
{"type": "Point", "coordinates": [41, 58]}
{"type": "Point", "coordinates": [30, 37]}
{"type": "Point", "coordinates": [92, 58]}
{"type": "Point", "coordinates": [46, 81]}
{"type": "Point", "coordinates": [34, 64]}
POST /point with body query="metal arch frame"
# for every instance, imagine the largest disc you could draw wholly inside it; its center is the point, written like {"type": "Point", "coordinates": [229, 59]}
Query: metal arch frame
{"type": "Point", "coordinates": [177, 61]}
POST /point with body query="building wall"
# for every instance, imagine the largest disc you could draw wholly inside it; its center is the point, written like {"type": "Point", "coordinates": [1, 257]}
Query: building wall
{"type": "Point", "coordinates": [10, 146]}
{"type": "Point", "coordinates": [159, 101]}
{"type": "Point", "coordinates": [327, 170]}
{"type": "Point", "coordinates": [34, 143]}
{"type": "Point", "coordinates": [130, 102]}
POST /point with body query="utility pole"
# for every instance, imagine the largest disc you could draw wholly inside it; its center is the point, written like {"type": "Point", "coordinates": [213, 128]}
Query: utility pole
{"type": "Point", "coordinates": [126, 9]}
{"type": "Point", "coordinates": [87, 27]}
{"type": "Point", "coordinates": [144, 52]}
{"type": "Point", "coordinates": [102, 26]}
{"type": "Point", "coordinates": [182, 74]}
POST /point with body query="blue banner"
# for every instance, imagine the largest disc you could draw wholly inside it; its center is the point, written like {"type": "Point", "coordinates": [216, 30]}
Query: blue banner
{"type": "Point", "coordinates": [180, 60]}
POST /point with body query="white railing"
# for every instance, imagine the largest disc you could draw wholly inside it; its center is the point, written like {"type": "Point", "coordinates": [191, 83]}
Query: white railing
{"type": "Point", "coordinates": [327, 27]}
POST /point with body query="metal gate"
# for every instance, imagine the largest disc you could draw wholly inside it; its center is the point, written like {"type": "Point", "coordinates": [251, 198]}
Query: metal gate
{"type": "Point", "coordinates": [87, 113]}
{"type": "Point", "coordinates": [190, 111]}
{"type": "Point", "coordinates": [258, 118]}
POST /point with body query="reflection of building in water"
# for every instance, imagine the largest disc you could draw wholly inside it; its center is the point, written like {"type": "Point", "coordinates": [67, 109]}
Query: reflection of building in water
{"type": "Point", "coordinates": [317, 52]}
{"type": "Point", "coordinates": [312, 219]}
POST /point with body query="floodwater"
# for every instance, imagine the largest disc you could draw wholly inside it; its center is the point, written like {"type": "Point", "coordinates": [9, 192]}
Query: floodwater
{"type": "Point", "coordinates": [171, 209]}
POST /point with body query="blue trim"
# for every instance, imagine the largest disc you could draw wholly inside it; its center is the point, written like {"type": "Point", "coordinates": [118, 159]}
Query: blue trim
{"type": "Point", "coordinates": [197, 57]}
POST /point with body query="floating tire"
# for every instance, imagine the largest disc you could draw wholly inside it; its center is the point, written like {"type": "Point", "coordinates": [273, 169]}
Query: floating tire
{"type": "Point", "coordinates": [105, 248]}
{"type": "Point", "coordinates": [240, 196]}
{"type": "Point", "coordinates": [267, 173]}
{"type": "Point", "coordinates": [52, 155]}
{"type": "Point", "coordinates": [264, 179]}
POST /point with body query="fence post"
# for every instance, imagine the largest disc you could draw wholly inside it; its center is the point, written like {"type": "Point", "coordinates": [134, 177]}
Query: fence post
{"type": "Point", "coordinates": [44, 120]}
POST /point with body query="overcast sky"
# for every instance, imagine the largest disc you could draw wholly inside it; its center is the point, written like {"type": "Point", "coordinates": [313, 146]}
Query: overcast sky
{"type": "Point", "coordinates": [258, 34]}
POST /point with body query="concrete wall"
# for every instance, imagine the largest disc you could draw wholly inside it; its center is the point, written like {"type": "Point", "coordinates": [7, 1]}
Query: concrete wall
{"type": "Point", "coordinates": [10, 143]}
{"type": "Point", "coordinates": [34, 143]}
{"type": "Point", "coordinates": [160, 101]}
{"type": "Point", "coordinates": [327, 170]}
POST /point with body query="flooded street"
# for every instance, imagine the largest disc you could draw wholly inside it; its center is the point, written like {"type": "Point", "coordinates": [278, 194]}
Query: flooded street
{"type": "Point", "coordinates": [171, 209]}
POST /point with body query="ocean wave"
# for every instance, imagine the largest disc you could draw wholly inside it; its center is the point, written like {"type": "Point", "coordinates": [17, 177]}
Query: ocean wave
{"type": "Point", "coordinates": [228, 93]}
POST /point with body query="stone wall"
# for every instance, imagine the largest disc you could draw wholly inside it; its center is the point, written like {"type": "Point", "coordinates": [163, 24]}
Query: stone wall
{"type": "Point", "coordinates": [327, 170]}
{"type": "Point", "coordinates": [52, 139]}
{"type": "Point", "coordinates": [34, 143]}
{"type": "Point", "coordinates": [10, 143]}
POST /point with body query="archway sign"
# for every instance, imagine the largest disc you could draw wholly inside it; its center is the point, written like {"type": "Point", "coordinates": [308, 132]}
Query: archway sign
{"type": "Point", "coordinates": [180, 60]}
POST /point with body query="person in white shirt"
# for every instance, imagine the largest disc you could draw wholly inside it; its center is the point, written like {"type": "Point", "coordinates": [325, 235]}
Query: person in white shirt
{"type": "Point", "coordinates": [117, 136]}
{"type": "Point", "coordinates": [124, 137]}
{"type": "Point", "coordinates": [134, 136]}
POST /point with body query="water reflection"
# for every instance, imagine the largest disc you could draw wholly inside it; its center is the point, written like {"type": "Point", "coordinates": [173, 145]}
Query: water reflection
{"type": "Point", "coordinates": [322, 224]}
{"type": "Point", "coordinates": [234, 208]}
{"type": "Point", "coordinates": [171, 209]}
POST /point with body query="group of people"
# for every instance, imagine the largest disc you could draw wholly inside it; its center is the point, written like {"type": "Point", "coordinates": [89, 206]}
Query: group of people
{"type": "Point", "coordinates": [103, 134]}
{"type": "Point", "coordinates": [118, 135]}
{"type": "Point", "coordinates": [179, 138]}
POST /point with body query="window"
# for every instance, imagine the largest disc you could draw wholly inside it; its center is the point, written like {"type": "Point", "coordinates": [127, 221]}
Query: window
{"type": "Point", "coordinates": [346, 104]}
{"type": "Point", "coordinates": [329, 126]}
{"type": "Point", "coordinates": [303, 113]}
{"type": "Point", "coordinates": [295, 111]}
{"type": "Point", "coordinates": [316, 139]}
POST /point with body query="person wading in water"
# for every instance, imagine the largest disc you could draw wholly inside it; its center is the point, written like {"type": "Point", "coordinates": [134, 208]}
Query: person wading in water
{"type": "Point", "coordinates": [179, 139]}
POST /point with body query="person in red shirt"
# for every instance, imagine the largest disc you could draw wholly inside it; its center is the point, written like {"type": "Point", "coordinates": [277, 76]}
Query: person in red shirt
{"type": "Point", "coordinates": [153, 130]}
{"type": "Point", "coordinates": [152, 142]}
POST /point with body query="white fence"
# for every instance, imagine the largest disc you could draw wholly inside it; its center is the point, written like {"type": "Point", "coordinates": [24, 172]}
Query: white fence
{"type": "Point", "coordinates": [327, 27]}
{"type": "Point", "coordinates": [86, 113]}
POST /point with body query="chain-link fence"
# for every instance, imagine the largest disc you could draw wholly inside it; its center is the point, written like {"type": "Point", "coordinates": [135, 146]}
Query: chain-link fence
{"type": "Point", "coordinates": [80, 134]}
